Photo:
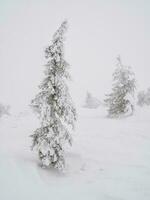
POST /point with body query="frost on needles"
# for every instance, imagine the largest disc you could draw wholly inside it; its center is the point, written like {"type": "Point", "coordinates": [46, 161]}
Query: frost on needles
{"type": "Point", "coordinates": [54, 105]}
{"type": "Point", "coordinates": [120, 101]}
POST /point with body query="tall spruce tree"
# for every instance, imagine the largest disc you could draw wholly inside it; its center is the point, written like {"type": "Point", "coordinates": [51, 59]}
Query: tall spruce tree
{"type": "Point", "coordinates": [121, 100]}
{"type": "Point", "coordinates": [54, 106]}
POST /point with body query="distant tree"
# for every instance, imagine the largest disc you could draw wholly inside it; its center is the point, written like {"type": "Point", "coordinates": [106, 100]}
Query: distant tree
{"type": "Point", "coordinates": [54, 106]}
{"type": "Point", "coordinates": [147, 97]}
{"type": "Point", "coordinates": [141, 98]}
{"type": "Point", "coordinates": [120, 100]}
{"type": "Point", "coordinates": [144, 98]}
{"type": "Point", "coordinates": [4, 110]}
{"type": "Point", "coordinates": [91, 102]}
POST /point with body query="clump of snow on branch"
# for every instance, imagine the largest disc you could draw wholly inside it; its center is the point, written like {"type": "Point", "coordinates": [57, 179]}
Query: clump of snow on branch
{"type": "Point", "coordinates": [54, 106]}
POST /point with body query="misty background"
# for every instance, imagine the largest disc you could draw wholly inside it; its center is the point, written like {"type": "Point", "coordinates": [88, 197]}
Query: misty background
{"type": "Point", "coordinates": [98, 31]}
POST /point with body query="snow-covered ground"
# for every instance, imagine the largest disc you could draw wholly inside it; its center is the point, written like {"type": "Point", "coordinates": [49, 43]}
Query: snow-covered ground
{"type": "Point", "coordinates": [109, 159]}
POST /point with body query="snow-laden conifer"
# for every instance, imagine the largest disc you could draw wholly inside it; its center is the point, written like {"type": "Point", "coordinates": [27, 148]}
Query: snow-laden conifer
{"type": "Point", "coordinates": [54, 105]}
{"type": "Point", "coordinates": [121, 100]}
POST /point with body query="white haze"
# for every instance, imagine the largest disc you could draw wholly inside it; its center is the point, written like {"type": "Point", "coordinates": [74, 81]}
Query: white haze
{"type": "Point", "coordinates": [98, 31]}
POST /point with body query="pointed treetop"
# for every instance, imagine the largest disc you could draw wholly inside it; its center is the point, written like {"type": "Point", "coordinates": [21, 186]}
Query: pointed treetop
{"type": "Point", "coordinates": [119, 61]}
{"type": "Point", "coordinates": [57, 42]}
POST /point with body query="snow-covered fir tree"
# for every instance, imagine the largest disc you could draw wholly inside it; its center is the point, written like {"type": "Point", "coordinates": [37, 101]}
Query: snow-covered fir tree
{"type": "Point", "coordinates": [121, 100]}
{"type": "Point", "coordinates": [54, 105]}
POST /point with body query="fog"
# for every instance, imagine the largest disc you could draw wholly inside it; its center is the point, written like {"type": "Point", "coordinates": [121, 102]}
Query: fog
{"type": "Point", "coordinates": [98, 31]}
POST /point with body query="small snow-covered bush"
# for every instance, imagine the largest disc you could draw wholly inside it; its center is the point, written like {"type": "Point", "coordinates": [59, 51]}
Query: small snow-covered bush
{"type": "Point", "coordinates": [4, 110]}
{"type": "Point", "coordinates": [91, 102]}
{"type": "Point", "coordinates": [54, 106]}
{"type": "Point", "coordinates": [144, 97]}
{"type": "Point", "coordinates": [141, 98]}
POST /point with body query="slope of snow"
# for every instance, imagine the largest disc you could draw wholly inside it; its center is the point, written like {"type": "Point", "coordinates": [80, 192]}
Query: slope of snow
{"type": "Point", "coordinates": [109, 159]}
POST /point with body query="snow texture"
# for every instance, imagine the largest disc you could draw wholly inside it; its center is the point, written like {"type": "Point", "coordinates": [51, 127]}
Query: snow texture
{"type": "Point", "coordinates": [108, 161]}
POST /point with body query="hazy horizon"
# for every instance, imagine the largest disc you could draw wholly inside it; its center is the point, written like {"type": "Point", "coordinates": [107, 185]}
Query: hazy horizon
{"type": "Point", "coordinates": [98, 31]}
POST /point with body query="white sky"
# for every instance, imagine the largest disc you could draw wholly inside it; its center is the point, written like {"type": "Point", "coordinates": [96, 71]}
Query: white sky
{"type": "Point", "coordinates": [98, 32]}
